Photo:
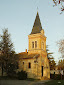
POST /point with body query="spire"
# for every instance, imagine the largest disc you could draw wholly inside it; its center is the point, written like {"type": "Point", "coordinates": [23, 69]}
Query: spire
{"type": "Point", "coordinates": [37, 25]}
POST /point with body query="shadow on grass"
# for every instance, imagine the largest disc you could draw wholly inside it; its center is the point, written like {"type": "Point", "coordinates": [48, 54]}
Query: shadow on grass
{"type": "Point", "coordinates": [7, 78]}
{"type": "Point", "coordinates": [16, 78]}
{"type": "Point", "coordinates": [31, 79]}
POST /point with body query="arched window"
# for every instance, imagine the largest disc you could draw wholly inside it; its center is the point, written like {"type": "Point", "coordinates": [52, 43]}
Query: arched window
{"type": "Point", "coordinates": [35, 44]}
{"type": "Point", "coordinates": [32, 44]}
{"type": "Point", "coordinates": [29, 65]}
{"type": "Point", "coordinates": [23, 63]}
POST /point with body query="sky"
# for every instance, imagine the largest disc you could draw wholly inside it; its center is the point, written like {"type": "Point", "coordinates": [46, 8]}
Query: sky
{"type": "Point", "coordinates": [19, 16]}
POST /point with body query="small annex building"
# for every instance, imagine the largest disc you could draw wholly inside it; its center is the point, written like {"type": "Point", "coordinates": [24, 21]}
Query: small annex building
{"type": "Point", "coordinates": [35, 61]}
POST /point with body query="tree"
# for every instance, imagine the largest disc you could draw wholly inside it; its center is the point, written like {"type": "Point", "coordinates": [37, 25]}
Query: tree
{"type": "Point", "coordinates": [59, 2]}
{"type": "Point", "coordinates": [48, 53]}
{"type": "Point", "coordinates": [61, 64]}
{"type": "Point", "coordinates": [51, 59]}
{"type": "Point", "coordinates": [60, 44]}
{"type": "Point", "coordinates": [8, 56]}
{"type": "Point", "coordinates": [52, 65]}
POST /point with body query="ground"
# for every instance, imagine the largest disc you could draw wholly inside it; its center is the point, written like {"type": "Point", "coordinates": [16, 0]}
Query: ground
{"type": "Point", "coordinates": [27, 82]}
{"type": "Point", "coordinates": [14, 82]}
{"type": "Point", "coordinates": [21, 82]}
{"type": "Point", "coordinates": [55, 82]}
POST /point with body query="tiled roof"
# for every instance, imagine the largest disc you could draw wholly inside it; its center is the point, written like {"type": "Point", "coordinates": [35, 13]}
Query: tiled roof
{"type": "Point", "coordinates": [26, 56]}
{"type": "Point", "coordinates": [37, 25]}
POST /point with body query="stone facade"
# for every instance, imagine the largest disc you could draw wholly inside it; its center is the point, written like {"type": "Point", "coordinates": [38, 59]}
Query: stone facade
{"type": "Point", "coordinates": [35, 61]}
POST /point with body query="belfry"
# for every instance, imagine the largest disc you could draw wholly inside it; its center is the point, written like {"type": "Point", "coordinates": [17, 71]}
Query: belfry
{"type": "Point", "coordinates": [35, 61]}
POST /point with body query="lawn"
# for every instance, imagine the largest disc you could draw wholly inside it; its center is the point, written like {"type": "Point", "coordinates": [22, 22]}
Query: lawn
{"type": "Point", "coordinates": [7, 78]}
{"type": "Point", "coordinates": [55, 82]}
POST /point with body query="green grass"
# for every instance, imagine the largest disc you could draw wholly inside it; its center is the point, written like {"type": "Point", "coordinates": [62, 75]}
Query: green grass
{"type": "Point", "coordinates": [7, 78]}
{"type": "Point", "coordinates": [54, 82]}
{"type": "Point", "coordinates": [15, 78]}
{"type": "Point", "coordinates": [31, 79]}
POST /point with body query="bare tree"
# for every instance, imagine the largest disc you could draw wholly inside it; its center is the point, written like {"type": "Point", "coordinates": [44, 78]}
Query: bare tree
{"type": "Point", "coordinates": [59, 2]}
{"type": "Point", "coordinates": [60, 44]}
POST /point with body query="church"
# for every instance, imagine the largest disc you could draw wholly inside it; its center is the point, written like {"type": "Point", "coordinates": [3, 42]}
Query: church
{"type": "Point", "coordinates": [35, 61]}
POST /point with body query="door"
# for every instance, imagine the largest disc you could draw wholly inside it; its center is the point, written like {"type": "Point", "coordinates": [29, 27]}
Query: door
{"type": "Point", "coordinates": [42, 70]}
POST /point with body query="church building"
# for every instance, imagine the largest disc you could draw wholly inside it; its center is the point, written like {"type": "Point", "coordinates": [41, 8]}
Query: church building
{"type": "Point", "coordinates": [35, 61]}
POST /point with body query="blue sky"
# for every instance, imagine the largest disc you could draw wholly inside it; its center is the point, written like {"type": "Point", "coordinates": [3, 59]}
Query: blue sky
{"type": "Point", "coordinates": [19, 15]}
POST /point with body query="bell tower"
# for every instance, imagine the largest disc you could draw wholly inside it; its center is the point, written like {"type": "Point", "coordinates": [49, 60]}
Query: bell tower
{"type": "Point", "coordinates": [37, 39]}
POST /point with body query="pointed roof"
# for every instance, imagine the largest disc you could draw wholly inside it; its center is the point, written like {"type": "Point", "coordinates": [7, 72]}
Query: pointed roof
{"type": "Point", "coordinates": [37, 25]}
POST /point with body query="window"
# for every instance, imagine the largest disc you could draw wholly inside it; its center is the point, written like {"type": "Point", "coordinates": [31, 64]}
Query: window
{"type": "Point", "coordinates": [32, 44]}
{"type": "Point", "coordinates": [35, 44]}
{"type": "Point", "coordinates": [23, 63]}
{"type": "Point", "coordinates": [29, 65]}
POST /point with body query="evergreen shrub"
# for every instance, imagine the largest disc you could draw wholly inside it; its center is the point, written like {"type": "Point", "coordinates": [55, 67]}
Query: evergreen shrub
{"type": "Point", "coordinates": [22, 75]}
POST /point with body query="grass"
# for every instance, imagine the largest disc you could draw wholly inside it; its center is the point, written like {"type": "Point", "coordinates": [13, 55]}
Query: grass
{"type": "Point", "coordinates": [55, 82]}
{"type": "Point", "coordinates": [7, 78]}
{"type": "Point", "coordinates": [15, 78]}
{"type": "Point", "coordinates": [31, 79]}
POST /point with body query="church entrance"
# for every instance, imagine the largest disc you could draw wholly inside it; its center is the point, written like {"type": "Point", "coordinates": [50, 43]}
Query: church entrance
{"type": "Point", "coordinates": [42, 70]}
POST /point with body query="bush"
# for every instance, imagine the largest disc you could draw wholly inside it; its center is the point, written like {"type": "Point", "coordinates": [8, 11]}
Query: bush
{"type": "Point", "coordinates": [56, 76]}
{"type": "Point", "coordinates": [13, 74]}
{"type": "Point", "coordinates": [22, 75]}
{"type": "Point", "coordinates": [11, 70]}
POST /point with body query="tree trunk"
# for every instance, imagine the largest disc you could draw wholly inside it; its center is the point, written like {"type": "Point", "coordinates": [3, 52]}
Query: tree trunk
{"type": "Point", "coordinates": [2, 68]}
{"type": "Point", "coordinates": [6, 67]}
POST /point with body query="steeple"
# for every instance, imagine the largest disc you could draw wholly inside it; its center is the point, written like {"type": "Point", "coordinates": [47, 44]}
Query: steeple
{"type": "Point", "coordinates": [37, 25]}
